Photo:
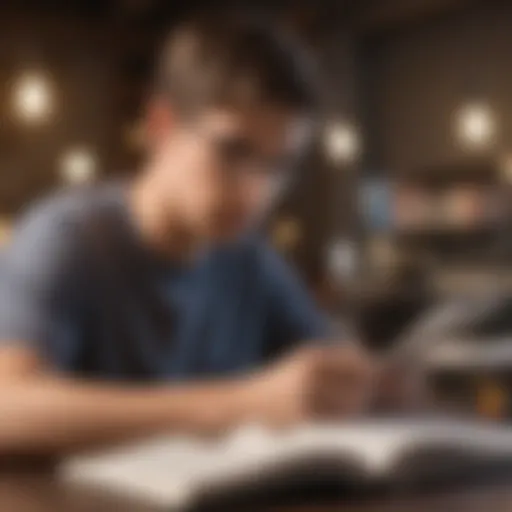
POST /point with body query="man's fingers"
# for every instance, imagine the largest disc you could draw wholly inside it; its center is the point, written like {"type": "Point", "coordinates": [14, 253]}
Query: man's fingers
{"type": "Point", "coordinates": [343, 382]}
{"type": "Point", "coordinates": [346, 366]}
{"type": "Point", "coordinates": [331, 403]}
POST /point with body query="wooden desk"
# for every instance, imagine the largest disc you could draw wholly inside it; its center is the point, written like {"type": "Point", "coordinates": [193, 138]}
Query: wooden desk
{"type": "Point", "coordinates": [496, 500]}
{"type": "Point", "coordinates": [42, 493]}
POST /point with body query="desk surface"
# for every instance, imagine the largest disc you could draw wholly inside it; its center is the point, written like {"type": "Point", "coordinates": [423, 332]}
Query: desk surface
{"type": "Point", "coordinates": [42, 493]}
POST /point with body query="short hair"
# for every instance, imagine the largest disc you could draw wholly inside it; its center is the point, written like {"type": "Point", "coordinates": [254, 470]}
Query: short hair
{"type": "Point", "coordinates": [234, 62]}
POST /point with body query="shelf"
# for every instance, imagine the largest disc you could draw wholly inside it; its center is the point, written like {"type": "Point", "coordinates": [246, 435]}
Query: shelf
{"type": "Point", "coordinates": [478, 171]}
{"type": "Point", "coordinates": [448, 231]}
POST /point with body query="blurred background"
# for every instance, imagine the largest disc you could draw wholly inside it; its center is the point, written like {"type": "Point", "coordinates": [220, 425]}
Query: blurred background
{"type": "Point", "coordinates": [405, 201]}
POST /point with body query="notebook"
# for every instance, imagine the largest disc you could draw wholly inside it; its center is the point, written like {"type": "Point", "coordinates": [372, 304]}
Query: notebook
{"type": "Point", "coordinates": [252, 463]}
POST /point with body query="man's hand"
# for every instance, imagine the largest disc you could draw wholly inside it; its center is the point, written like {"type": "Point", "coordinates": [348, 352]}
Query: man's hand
{"type": "Point", "coordinates": [45, 414]}
{"type": "Point", "coordinates": [315, 383]}
{"type": "Point", "coordinates": [402, 387]}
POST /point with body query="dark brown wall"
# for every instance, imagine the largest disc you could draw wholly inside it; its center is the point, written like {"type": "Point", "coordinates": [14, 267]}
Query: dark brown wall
{"type": "Point", "coordinates": [322, 197]}
{"type": "Point", "coordinates": [418, 77]}
{"type": "Point", "coordinates": [76, 59]}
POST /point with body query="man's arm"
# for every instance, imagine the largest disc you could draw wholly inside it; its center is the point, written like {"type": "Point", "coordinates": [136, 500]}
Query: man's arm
{"type": "Point", "coordinates": [295, 320]}
{"type": "Point", "coordinates": [41, 409]}
{"type": "Point", "coordinates": [45, 412]}
{"type": "Point", "coordinates": [48, 414]}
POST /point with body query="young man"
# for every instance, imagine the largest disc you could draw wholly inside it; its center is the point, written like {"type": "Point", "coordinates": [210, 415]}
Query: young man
{"type": "Point", "coordinates": [132, 309]}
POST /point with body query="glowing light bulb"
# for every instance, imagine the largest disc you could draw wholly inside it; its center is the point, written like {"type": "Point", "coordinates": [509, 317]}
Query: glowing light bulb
{"type": "Point", "coordinates": [33, 98]}
{"type": "Point", "coordinates": [78, 165]}
{"type": "Point", "coordinates": [476, 125]}
{"type": "Point", "coordinates": [342, 259]}
{"type": "Point", "coordinates": [342, 143]}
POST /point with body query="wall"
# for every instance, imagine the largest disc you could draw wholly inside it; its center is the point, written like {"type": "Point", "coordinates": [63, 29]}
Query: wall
{"type": "Point", "coordinates": [74, 56]}
{"type": "Point", "coordinates": [322, 196]}
{"type": "Point", "coordinates": [417, 78]}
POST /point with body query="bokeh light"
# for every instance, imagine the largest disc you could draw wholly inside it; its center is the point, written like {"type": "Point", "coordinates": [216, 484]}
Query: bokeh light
{"type": "Point", "coordinates": [78, 165]}
{"type": "Point", "coordinates": [476, 125]}
{"type": "Point", "coordinates": [33, 98]}
{"type": "Point", "coordinates": [342, 143]}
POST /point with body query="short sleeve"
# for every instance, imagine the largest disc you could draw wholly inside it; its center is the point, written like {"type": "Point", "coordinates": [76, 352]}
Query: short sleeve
{"type": "Point", "coordinates": [36, 277]}
{"type": "Point", "coordinates": [292, 314]}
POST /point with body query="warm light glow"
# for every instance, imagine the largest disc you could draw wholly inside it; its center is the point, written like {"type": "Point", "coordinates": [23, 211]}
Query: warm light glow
{"type": "Point", "coordinates": [492, 400]}
{"type": "Point", "coordinates": [78, 165]}
{"type": "Point", "coordinates": [476, 125]}
{"type": "Point", "coordinates": [506, 168]}
{"type": "Point", "coordinates": [342, 143]}
{"type": "Point", "coordinates": [33, 98]}
{"type": "Point", "coordinates": [342, 259]}
{"type": "Point", "coordinates": [5, 230]}
{"type": "Point", "coordinates": [286, 234]}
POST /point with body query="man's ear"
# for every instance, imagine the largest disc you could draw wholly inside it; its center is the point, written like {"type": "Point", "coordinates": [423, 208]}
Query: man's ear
{"type": "Point", "coordinates": [159, 121]}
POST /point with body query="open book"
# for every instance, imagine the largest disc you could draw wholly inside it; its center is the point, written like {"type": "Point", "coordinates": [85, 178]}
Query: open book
{"type": "Point", "coordinates": [340, 460]}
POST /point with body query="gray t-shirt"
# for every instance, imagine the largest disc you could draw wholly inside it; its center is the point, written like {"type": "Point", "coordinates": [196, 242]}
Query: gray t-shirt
{"type": "Point", "coordinates": [79, 286]}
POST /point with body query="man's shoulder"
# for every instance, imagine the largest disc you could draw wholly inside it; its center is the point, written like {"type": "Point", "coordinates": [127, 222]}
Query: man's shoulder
{"type": "Point", "coordinates": [53, 226]}
{"type": "Point", "coordinates": [66, 210]}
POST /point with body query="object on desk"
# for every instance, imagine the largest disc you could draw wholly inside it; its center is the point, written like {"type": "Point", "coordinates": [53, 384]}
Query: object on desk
{"type": "Point", "coordinates": [472, 375]}
{"type": "Point", "coordinates": [259, 466]}
{"type": "Point", "coordinates": [464, 350]}
{"type": "Point", "coordinates": [492, 400]}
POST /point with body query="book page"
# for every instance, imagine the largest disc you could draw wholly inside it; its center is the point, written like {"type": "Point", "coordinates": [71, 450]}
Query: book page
{"type": "Point", "coordinates": [168, 471]}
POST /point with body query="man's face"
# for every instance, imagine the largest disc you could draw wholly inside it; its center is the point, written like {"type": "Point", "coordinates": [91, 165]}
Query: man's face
{"type": "Point", "coordinates": [231, 165]}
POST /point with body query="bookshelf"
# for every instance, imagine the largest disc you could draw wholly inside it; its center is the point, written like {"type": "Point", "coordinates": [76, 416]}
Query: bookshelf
{"type": "Point", "coordinates": [444, 231]}
{"type": "Point", "coordinates": [453, 218]}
